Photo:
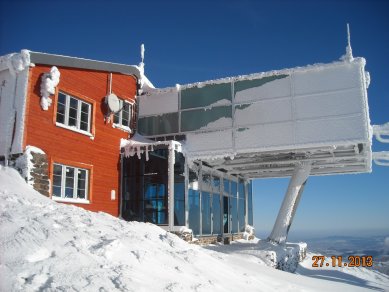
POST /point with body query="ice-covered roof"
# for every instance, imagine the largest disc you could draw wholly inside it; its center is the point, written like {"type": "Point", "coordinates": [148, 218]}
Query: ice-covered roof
{"type": "Point", "coordinates": [65, 61]}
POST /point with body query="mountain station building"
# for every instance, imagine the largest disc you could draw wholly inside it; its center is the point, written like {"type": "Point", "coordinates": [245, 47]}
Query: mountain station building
{"type": "Point", "coordinates": [98, 135]}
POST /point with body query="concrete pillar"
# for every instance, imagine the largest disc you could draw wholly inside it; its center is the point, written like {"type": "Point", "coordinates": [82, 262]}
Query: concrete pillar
{"type": "Point", "coordinates": [290, 203]}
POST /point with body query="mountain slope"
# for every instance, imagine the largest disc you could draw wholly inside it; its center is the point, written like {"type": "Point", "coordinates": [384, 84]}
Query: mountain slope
{"type": "Point", "coordinates": [55, 247]}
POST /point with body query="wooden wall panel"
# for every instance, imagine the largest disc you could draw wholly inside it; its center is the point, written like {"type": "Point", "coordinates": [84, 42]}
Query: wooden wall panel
{"type": "Point", "coordinates": [69, 147]}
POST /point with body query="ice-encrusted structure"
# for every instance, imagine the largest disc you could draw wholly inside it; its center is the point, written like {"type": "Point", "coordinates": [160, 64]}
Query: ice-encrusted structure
{"type": "Point", "coordinates": [260, 125]}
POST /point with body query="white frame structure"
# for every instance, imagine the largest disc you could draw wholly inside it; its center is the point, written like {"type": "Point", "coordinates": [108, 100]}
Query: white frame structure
{"type": "Point", "coordinates": [75, 184]}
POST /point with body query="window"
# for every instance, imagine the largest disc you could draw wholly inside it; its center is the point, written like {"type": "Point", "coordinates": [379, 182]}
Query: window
{"type": "Point", "coordinates": [70, 183]}
{"type": "Point", "coordinates": [73, 112]}
{"type": "Point", "coordinates": [122, 118]}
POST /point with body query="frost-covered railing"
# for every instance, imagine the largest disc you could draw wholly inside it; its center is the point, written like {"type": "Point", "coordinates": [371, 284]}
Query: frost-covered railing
{"type": "Point", "coordinates": [381, 132]}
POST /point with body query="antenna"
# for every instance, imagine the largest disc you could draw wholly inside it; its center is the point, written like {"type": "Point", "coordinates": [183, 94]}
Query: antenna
{"type": "Point", "coordinates": [349, 52]}
{"type": "Point", "coordinates": [142, 52]}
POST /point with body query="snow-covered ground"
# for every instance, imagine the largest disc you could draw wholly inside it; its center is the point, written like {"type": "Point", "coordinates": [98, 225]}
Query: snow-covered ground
{"type": "Point", "coordinates": [47, 246]}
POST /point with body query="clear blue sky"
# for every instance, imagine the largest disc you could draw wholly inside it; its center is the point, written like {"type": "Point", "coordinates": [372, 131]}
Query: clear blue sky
{"type": "Point", "coordinates": [189, 41]}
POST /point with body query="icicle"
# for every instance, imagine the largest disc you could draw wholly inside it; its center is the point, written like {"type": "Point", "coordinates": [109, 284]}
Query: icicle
{"type": "Point", "coordinates": [138, 151]}
{"type": "Point", "coordinates": [147, 153]}
{"type": "Point", "coordinates": [127, 151]}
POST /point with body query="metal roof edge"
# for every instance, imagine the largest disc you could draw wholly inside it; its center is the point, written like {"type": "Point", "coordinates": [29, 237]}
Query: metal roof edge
{"type": "Point", "coordinates": [73, 62]}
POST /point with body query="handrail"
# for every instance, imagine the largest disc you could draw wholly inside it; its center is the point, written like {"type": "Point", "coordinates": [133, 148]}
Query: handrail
{"type": "Point", "coordinates": [380, 131]}
{"type": "Point", "coordinates": [381, 158]}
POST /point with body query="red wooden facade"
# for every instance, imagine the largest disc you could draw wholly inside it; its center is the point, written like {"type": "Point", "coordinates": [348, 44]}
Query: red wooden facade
{"type": "Point", "coordinates": [99, 154]}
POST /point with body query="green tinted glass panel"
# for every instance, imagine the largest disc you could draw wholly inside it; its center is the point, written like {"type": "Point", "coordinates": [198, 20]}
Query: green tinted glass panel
{"type": "Point", "coordinates": [196, 119]}
{"type": "Point", "coordinates": [158, 125]}
{"type": "Point", "coordinates": [205, 96]}
{"type": "Point", "coordinates": [247, 84]}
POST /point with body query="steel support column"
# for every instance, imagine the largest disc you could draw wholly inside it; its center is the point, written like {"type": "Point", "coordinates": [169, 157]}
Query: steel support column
{"type": "Point", "coordinates": [290, 203]}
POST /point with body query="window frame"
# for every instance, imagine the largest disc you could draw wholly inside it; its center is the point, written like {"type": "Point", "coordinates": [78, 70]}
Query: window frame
{"type": "Point", "coordinates": [80, 102]}
{"type": "Point", "coordinates": [75, 198]}
{"type": "Point", "coordinates": [120, 125]}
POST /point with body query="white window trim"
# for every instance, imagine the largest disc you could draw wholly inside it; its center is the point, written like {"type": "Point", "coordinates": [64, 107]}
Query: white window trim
{"type": "Point", "coordinates": [76, 128]}
{"type": "Point", "coordinates": [69, 200]}
{"type": "Point", "coordinates": [75, 186]}
{"type": "Point", "coordinates": [120, 125]}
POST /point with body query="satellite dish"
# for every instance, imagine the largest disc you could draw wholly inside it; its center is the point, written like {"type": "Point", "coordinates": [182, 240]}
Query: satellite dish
{"type": "Point", "coordinates": [113, 102]}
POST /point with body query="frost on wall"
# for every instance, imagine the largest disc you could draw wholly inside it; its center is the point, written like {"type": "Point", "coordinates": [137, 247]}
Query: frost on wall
{"type": "Point", "coordinates": [48, 84]}
{"type": "Point", "coordinates": [14, 70]}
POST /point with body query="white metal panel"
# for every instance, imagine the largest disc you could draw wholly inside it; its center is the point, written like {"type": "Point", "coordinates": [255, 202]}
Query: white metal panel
{"type": "Point", "coordinates": [198, 142]}
{"type": "Point", "coordinates": [267, 111]}
{"type": "Point", "coordinates": [264, 136]}
{"type": "Point", "coordinates": [335, 103]}
{"type": "Point", "coordinates": [158, 103]}
{"type": "Point", "coordinates": [331, 131]}
{"type": "Point", "coordinates": [327, 78]}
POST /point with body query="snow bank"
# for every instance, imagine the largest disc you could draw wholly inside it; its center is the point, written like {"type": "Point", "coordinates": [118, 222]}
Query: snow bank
{"type": "Point", "coordinates": [362, 277]}
{"type": "Point", "coordinates": [54, 247]}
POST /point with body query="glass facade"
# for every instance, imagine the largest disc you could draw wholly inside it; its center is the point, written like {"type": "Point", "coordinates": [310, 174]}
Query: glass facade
{"type": "Point", "coordinates": [216, 214]}
{"type": "Point", "coordinates": [179, 189]}
{"type": "Point", "coordinates": [214, 202]}
{"type": "Point", "coordinates": [194, 202]}
{"type": "Point", "coordinates": [145, 192]}
{"type": "Point", "coordinates": [206, 213]}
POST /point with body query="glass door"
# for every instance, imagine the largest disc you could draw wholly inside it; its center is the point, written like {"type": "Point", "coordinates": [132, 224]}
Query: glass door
{"type": "Point", "coordinates": [226, 221]}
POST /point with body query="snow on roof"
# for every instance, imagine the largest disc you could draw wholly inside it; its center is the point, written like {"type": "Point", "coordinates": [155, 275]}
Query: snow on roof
{"type": "Point", "coordinates": [15, 62]}
{"type": "Point", "coordinates": [67, 61]}
{"type": "Point", "coordinates": [286, 71]}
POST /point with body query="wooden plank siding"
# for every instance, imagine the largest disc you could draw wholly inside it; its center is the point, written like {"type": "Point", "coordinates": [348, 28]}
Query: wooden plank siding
{"type": "Point", "coordinates": [99, 154]}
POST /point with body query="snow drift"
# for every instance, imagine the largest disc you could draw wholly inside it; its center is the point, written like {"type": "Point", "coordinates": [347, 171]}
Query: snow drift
{"type": "Point", "coordinates": [48, 246]}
